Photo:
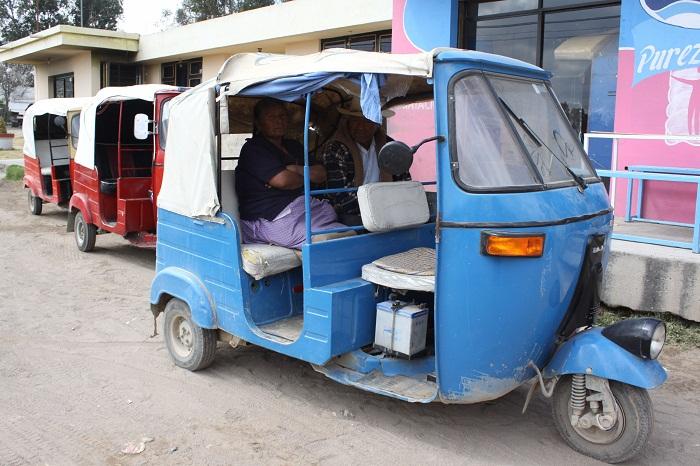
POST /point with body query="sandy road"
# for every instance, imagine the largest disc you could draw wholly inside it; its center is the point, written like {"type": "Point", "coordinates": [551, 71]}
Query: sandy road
{"type": "Point", "coordinates": [80, 376]}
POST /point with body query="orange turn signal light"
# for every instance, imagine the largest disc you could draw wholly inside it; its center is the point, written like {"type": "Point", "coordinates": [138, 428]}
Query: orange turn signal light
{"type": "Point", "coordinates": [512, 245]}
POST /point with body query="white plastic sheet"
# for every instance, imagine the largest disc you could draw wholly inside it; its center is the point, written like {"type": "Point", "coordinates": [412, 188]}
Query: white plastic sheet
{"type": "Point", "coordinates": [85, 155]}
{"type": "Point", "coordinates": [42, 107]}
{"type": "Point", "coordinates": [245, 69]}
{"type": "Point", "coordinates": [189, 182]}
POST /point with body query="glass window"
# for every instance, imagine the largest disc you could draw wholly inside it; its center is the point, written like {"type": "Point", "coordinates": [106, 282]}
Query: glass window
{"type": "Point", "coordinates": [542, 128]}
{"type": "Point", "coordinates": [163, 123]}
{"type": "Point", "coordinates": [366, 43]}
{"type": "Point", "coordinates": [334, 44]}
{"type": "Point", "coordinates": [506, 6]}
{"type": "Point", "coordinates": [75, 130]}
{"type": "Point", "coordinates": [385, 43]}
{"type": "Point", "coordinates": [514, 37]}
{"type": "Point", "coordinates": [488, 153]}
{"type": "Point", "coordinates": [576, 45]}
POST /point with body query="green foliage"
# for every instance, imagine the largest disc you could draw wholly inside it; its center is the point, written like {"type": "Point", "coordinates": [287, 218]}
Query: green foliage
{"type": "Point", "coordinates": [14, 173]}
{"type": "Point", "coordinates": [20, 18]}
{"type": "Point", "coordinates": [3, 127]}
{"type": "Point", "coordinates": [192, 11]}
{"type": "Point", "coordinates": [101, 14]}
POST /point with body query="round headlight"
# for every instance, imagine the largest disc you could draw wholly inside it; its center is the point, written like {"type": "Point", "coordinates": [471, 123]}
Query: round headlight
{"type": "Point", "coordinates": [657, 340]}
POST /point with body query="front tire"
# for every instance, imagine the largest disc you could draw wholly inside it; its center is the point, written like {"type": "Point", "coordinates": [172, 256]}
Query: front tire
{"type": "Point", "coordinates": [191, 346]}
{"type": "Point", "coordinates": [85, 233]}
{"type": "Point", "coordinates": [624, 440]}
{"type": "Point", "coordinates": [35, 203]}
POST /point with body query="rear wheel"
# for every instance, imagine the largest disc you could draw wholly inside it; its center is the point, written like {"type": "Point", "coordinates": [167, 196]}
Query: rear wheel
{"type": "Point", "coordinates": [85, 233]}
{"type": "Point", "coordinates": [35, 203]}
{"type": "Point", "coordinates": [623, 440]}
{"type": "Point", "coordinates": [191, 346]}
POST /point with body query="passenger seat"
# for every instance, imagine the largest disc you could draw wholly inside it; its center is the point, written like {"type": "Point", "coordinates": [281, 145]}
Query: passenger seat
{"type": "Point", "coordinates": [392, 206]}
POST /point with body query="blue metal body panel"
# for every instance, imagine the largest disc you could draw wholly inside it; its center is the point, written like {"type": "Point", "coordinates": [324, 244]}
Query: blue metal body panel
{"type": "Point", "coordinates": [493, 315]}
{"type": "Point", "coordinates": [590, 352]}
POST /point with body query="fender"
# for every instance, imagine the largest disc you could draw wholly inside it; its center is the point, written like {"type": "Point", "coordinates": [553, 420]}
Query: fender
{"type": "Point", "coordinates": [589, 352]}
{"type": "Point", "coordinates": [78, 201]}
{"type": "Point", "coordinates": [30, 182]}
{"type": "Point", "coordinates": [185, 286]}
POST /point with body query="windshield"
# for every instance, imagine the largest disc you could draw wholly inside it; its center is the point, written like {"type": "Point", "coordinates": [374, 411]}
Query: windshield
{"type": "Point", "coordinates": [510, 134]}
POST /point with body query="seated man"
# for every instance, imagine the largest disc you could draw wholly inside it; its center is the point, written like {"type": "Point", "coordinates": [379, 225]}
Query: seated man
{"type": "Point", "coordinates": [350, 159]}
{"type": "Point", "coordinates": [270, 180]}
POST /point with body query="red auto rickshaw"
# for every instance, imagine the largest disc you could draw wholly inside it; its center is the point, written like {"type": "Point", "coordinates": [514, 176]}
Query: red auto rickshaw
{"type": "Point", "coordinates": [46, 152]}
{"type": "Point", "coordinates": [118, 166]}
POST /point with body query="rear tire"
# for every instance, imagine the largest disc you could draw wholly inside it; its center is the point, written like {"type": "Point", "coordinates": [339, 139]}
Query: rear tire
{"type": "Point", "coordinates": [191, 346]}
{"type": "Point", "coordinates": [85, 233]}
{"type": "Point", "coordinates": [622, 441]}
{"type": "Point", "coordinates": [35, 203]}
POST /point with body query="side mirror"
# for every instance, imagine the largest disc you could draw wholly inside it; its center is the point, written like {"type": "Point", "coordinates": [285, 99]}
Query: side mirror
{"type": "Point", "coordinates": [141, 123]}
{"type": "Point", "coordinates": [395, 157]}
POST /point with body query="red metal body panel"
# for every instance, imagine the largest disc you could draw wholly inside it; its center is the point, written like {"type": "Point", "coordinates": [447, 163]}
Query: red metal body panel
{"type": "Point", "coordinates": [34, 181]}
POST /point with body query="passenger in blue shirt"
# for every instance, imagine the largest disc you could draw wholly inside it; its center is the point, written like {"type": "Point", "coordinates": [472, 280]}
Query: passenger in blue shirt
{"type": "Point", "coordinates": [270, 180]}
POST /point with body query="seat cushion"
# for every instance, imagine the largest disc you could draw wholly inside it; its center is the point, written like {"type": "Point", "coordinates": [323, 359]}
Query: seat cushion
{"type": "Point", "coordinates": [390, 206]}
{"type": "Point", "coordinates": [409, 270]}
{"type": "Point", "coordinates": [263, 260]}
{"type": "Point", "coordinates": [397, 281]}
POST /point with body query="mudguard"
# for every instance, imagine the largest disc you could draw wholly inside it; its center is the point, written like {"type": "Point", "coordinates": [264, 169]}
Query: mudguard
{"type": "Point", "coordinates": [31, 184]}
{"type": "Point", "coordinates": [78, 201]}
{"type": "Point", "coordinates": [589, 352]}
{"type": "Point", "coordinates": [185, 286]}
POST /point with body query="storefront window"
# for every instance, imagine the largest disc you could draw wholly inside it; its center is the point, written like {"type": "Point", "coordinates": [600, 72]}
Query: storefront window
{"type": "Point", "coordinates": [507, 6]}
{"type": "Point", "coordinates": [578, 46]}
{"type": "Point", "coordinates": [576, 40]}
{"type": "Point", "coordinates": [515, 37]}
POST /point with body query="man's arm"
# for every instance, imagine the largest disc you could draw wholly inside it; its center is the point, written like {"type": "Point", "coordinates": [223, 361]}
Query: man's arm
{"type": "Point", "coordinates": [287, 179]}
{"type": "Point", "coordinates": [317, 173]}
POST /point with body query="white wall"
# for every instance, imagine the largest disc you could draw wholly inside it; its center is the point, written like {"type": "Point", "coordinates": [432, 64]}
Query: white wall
{"type": "Point", "coordinates": [86, 75]}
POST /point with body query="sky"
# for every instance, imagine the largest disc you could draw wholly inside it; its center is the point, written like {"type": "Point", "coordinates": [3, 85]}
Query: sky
{"type": "Point", "coordinates": [143, 16]}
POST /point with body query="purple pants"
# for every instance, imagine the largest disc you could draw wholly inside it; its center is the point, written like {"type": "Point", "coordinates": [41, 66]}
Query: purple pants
{"type": "Point", "coordinates": [288, 229]}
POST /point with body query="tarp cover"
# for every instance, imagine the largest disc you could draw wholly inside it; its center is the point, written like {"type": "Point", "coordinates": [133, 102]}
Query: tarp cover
{"type": "Point", "coordinates": [85, 155]}
{"type": "Point", "coordinates": [245, 69]}
{"type": "Point", "coordinates": [189, 179]}
{"type": "Point", "coordinates": [42, 107]}
{"type": "Point", "coordinates": [189, 183]}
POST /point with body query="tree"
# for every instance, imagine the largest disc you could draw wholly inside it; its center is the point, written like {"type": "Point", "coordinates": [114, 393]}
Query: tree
{"type": "Point", "coordinates": [11, 77]}
{"type": "Point", "coordinates": [101, 14]}
{"type": "Point", "coordinates": [192, 11]}
{"type": "Point", "coordinates": [20, 18]}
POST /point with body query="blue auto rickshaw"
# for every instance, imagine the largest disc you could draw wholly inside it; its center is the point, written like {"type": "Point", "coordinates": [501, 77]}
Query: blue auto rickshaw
{"type": "Point", "coordinates": [458, 289]}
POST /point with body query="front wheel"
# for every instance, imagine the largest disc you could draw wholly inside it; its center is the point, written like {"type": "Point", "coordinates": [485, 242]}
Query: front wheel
{"type": "Point", "coordinates": [619, 442]}
{"type": "Point", "coordinates": [35, 203]}
{"type": "Point", "coordinates": [85, 233]}
{"type": "Point", "coordinates": [191, 346]}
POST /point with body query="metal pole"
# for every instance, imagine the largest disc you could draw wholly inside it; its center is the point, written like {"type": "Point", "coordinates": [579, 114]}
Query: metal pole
{"type": "Point", "coordinates": [307, 174]}
{"type": "Point", "coordinates": [81, 13]}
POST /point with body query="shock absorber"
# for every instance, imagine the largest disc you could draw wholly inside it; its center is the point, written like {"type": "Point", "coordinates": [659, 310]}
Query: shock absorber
{"type": "Point", "coordinates": [578, 397]}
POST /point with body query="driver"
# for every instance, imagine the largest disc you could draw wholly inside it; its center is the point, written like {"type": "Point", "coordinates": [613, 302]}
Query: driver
{"type": "Point", "coordinates": [350, 159]}
{"type": "Point", "coordinates": [270, 180]}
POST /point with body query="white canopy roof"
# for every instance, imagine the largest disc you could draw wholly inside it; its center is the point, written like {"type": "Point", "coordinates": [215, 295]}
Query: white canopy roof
{"type": "Point", "coordinates": [85, 155]}
{"type": "Point", "coordinates": [189, 179]}
{"type": "Point", "coordinates": [245, 69]}
{"type": "Point", "coordinates": [42, 107]}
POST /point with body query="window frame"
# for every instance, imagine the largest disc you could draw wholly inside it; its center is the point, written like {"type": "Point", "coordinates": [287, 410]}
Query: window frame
{"type": "Point", "coordinates": [63, 77]}
{"type": "Point", "coordinates": [454, 158]}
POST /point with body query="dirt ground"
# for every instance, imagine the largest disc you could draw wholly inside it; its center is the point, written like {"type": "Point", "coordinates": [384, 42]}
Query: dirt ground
{"type": "Point", "coordinates": [80, 377]}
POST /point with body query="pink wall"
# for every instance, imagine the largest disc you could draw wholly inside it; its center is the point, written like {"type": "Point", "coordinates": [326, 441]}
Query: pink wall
{"type": "Point", "coordinates": [658, 92]}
